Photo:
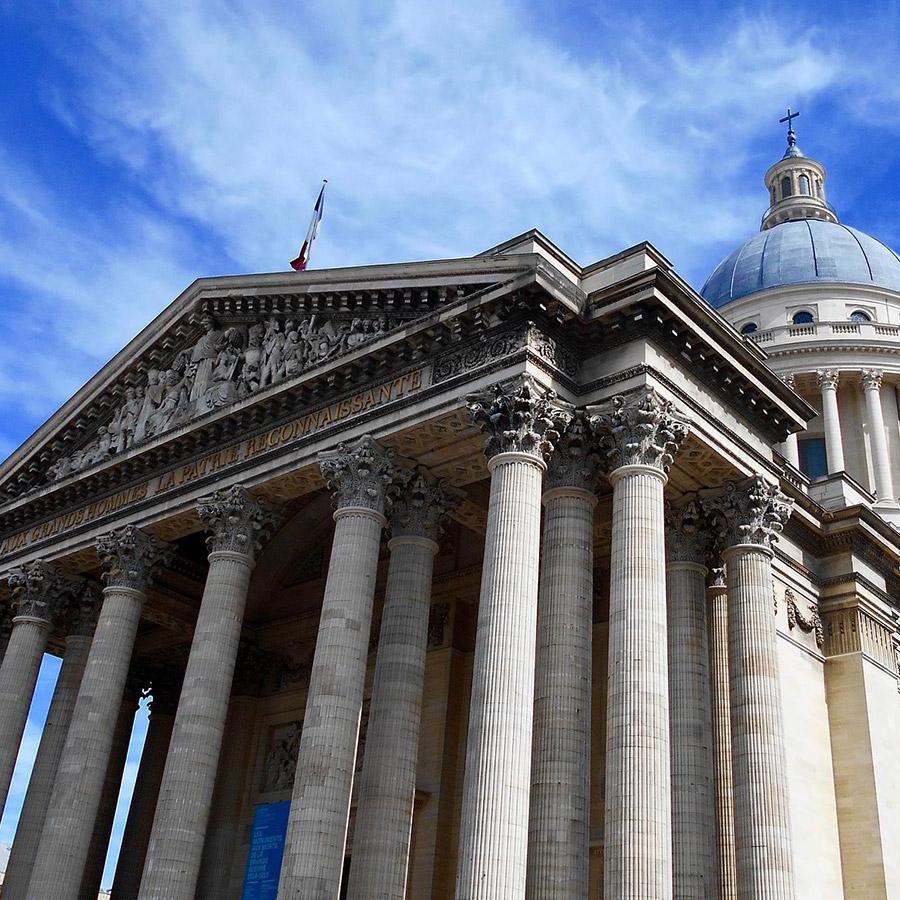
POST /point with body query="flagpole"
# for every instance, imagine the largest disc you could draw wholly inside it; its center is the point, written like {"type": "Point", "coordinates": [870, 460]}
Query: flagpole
{"type": "Point", "coordinates": [302, 261]}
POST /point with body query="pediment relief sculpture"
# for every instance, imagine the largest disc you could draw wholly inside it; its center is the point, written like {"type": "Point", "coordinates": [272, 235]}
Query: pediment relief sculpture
{"type": "Point", "coordinates": [226, 364]}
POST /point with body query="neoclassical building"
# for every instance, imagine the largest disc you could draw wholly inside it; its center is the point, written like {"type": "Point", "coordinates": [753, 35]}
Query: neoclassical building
{"type": "Point", "coordinates": [476, 579]}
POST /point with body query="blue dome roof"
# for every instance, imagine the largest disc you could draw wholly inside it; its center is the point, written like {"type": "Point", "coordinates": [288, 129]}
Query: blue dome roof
{"type": "Point", "coordinates": [803, 251]}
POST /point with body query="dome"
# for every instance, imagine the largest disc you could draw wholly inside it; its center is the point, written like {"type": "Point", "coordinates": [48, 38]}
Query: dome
{"type": "Point", "coordinates": [803, 251]}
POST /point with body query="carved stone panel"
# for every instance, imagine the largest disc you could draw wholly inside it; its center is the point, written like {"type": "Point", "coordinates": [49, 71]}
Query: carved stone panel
{"type": "Point", "coordinates": [226, 364]}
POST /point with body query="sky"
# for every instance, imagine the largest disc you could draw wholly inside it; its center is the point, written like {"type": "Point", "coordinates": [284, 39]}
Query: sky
{"type": "Point", "coordinates": [145, 144]}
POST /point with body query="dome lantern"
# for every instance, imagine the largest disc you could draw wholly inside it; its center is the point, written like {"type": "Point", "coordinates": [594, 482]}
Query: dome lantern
{"type": "Point", "coordinates": [796, 185]}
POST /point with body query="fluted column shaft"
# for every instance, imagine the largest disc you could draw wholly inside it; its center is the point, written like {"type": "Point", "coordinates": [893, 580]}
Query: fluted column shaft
{"type": "Point", "coordinates": [381, 835]}
{"type": "Point", "coordinates": [721, 723]}
{"type": "Point", "coordinates": [638, 855]}
{"type": "Point", "coordinates": [182, 811]}
{"type": "Point", "coordinates": [136, 837]}
{"type": "Point", "coordinates": [494, 827]}
{"type": "Point", "coordinates": [40, 785]}
{"type": "Point", "coordinates": [320, 807]}
{"type": "Point", "coordinates": [77, 791]}
{"type": "Point", "coordinates": [18, 676]}
{"type": "Point", "coordinates": [693, 783]}
{"type": "Point", "coordinates": [761, 814]}
{"type": "Point", "coordinates": [109, 797]}
{"type": "Point", "coordinates": [220, 849]}
{"type": "Point", "coordinates": [791, 450]}
{"type": "Point", "coordinates": [559, 826]}
{"type": "Point", "coordinates": [129, 557]}
{"type": "Point", "coordinates": [834, 447]}
{"type": "Point", "coordinates": [881, 460]}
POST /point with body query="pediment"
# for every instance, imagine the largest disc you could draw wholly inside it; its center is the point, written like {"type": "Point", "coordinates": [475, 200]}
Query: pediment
{"type": "Point", "coordinates": [226, 340]}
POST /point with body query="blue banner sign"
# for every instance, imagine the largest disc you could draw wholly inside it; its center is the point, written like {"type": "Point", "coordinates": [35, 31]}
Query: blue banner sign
{"type": "Point", "coordinates": [266, 849]}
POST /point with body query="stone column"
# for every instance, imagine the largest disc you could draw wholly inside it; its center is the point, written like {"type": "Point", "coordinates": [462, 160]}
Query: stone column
{"type": "Point", "coordinates": [109, 795]}
{"type": "Point", "coordinates": [641, 433]}
{"type": "Point", "coordinates": [6, 617]}
{"type": "Point", "coordinates": [359, 474]}
{"type": "Point", "coordinates": [136, 836]}
{"type": "Point", "coordinates": [695, 875]}
{"type": "Point", "coordinates": [237, 523]}
{"type": "Point", "coordinates": [827, 380]}
{"type": "Point", "coordinates": [790, 449]}
{"type": "Point", "coordinates": [80, 619]}
{"type": "Point", "coordinates": [559, 823]}
{"type": "Point", "coordinates": [129, 557]}
{"type": "Point", "coordinates": [387, 784]}
{"type": "Point", "coordinates": [881, 460]}
{"type": "Point", "coordinates": [523, 421]}
{"type": "Point", "coordinates": [39, 591]}
{"type": "Point", "coordinates": [717, 594]}
{"type": "Point", "coordinates": [753, 515]}
{"type": "Point", "coordinates": [222, 848]}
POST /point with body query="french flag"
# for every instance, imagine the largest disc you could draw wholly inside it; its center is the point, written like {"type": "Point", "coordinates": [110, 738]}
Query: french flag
{"type": "Point", "coordinates": [302, 260]}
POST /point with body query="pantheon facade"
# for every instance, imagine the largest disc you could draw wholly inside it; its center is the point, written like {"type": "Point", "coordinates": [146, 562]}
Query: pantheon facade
{"type": "Point", "coordinates": [477, 579]}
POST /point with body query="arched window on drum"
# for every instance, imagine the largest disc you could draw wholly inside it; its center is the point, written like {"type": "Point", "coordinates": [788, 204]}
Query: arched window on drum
{"type": "Point", "coordinates": [804, 185]}
{"type": "Point", "coordinates": [786, 189]}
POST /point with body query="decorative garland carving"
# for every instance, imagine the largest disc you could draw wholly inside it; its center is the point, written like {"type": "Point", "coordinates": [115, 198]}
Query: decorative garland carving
{"type": "Point", "coordinates": [797, 619]}
{"type": "Point", "coordinates": [225, 365]}
{"type": "Point", "coordinates": [520, 416]}
{"type": "Point", "coordinates": [639, 429]}
{"type": "Point", "coordinates": [486, 349]}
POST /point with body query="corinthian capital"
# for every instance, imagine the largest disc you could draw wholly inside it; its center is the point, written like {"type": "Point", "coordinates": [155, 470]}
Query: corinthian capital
{"type": "Point", "coordinates": [640, 429]}
{"type": "Point", "coordinates": [827, 379]}
{"type": "Point", "coordinates": [84, 610]}
{"type": "Point", "coordinates": [754, 512]}
{"type": "Point", "coordinates": [575, 461]}
{"type": "Point", "coordinates": [359, 473]}
{"type": "Point", "coordinates": [41, 591]}
{"type": "Point", "coordinates": [236, 521]}
{"type": "Point", "coordinates": [422, 502]}
{"type": "Point", "coordinates": [871, 379]}
{"type": "Point", "coordinates": [520, 416]}
{"type": "Point", "coordinates": [129, 557]}
{"type": "Point", "coordinates": [688, 535]}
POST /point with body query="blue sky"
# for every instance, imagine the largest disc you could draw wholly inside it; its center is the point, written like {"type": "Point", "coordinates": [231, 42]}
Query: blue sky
{"type": "Point", "coordinates": [142, 145]}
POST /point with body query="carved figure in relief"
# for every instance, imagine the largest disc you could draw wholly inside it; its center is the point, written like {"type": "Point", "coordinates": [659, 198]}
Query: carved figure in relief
{"type": "Point", "coordinates": [273, 346]}
{"type": "Point", "coordinates": [223, 366]}
{"type": "Point", "coordinates": [204, 355]}
{"type": "Point", "coordinates": [224, 388]}
{"type": "Point", "coordinates": [128, 416]}
{"type": "Point", "coordinates": [152, 399]}
{"type": "Point", "coordinates": [282, 760]}
{"type": "Point", "coordinates": [174, 393]}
